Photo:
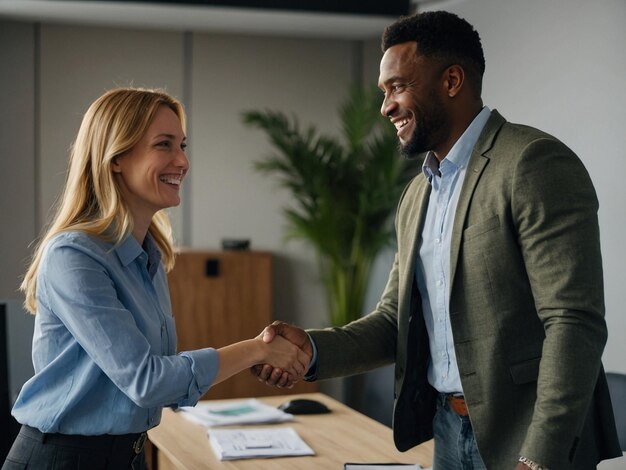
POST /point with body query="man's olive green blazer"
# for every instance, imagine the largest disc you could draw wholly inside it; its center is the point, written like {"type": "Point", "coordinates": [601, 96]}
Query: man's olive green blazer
{"type": "Point", "coordinates": [526, 309]}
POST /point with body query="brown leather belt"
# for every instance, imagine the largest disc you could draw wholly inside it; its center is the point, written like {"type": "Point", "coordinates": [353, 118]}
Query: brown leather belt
{"type": "Point", "coordinates": [457, 403]}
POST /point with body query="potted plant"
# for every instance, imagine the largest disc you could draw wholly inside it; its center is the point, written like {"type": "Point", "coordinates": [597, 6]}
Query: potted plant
{"type": "Point", "coordinates": [345, 192]}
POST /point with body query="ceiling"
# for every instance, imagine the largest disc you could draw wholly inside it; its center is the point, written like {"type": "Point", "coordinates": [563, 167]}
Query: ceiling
{"type": "Point", "coordinates": [197, 18]}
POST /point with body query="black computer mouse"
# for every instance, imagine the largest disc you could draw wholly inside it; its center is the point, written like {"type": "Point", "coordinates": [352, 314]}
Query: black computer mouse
{"type": "Point", "coordinates": [303, 406]}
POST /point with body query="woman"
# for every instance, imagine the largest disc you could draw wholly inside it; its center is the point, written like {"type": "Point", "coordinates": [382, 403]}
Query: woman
{"type": "Point", "coordinates": [104, 341]}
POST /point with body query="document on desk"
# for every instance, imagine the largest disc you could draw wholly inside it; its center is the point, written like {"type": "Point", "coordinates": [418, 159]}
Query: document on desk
{"type": "Point", "coordinates": [249, 411]}
{"type": "Point", "coordinates": [233, 444]}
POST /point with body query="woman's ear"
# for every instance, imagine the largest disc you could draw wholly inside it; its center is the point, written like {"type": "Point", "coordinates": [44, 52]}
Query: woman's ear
{"type": "Point", "coordinates": [115, 166]}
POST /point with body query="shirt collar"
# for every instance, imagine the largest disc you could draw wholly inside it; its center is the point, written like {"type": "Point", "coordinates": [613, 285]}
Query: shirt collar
{"type": "Point", "coordinates": [154, 255]}
{"type": "Point", "coordinates": [129, 249]}
{"type": "Point", "coordinates": [459, 154]}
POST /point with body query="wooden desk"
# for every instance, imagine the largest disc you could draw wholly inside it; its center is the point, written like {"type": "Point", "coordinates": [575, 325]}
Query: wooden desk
{"type": "Point", "coordinates": [339, 437]}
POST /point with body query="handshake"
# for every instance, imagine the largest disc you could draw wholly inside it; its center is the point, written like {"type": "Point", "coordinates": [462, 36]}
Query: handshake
{"type": "Point", "coordinates": [289, 352]}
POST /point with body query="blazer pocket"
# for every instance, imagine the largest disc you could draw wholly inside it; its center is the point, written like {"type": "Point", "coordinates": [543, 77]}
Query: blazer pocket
{"type": "Point", "coordinates": [527, 371]}
{"type": "Point", "coordinates": [485, 226]}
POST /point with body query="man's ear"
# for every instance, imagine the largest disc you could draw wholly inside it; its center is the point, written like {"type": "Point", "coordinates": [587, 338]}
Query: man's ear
{"type": "Point", "coordinates": [454, 77]}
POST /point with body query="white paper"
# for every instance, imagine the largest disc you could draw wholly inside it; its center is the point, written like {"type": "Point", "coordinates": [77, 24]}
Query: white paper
{"type": "Point", "coordinates": [238, 412]}
{"type": "Point", "coordinates": [233, 444]}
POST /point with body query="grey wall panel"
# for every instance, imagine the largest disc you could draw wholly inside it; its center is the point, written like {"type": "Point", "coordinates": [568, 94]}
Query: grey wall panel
{"type": "Point", "coordinates": [17, 152]}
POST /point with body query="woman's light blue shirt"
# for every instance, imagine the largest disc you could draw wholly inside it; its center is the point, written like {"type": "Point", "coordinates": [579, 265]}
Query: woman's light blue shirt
{"type": "Point", "coordinates": [104, 345]}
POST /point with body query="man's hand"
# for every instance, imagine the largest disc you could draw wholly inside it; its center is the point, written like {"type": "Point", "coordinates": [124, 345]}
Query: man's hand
{"type": "Point", "coordinates": [274, 376]}
{"type": "Point", "coordinates": [522, 466]}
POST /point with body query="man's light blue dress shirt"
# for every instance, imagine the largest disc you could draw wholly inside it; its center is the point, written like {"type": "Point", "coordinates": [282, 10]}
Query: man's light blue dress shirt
{"type": "Point", "coordinates": [433, 261]}
{"type": "Point", "coordinates": [104, 345]}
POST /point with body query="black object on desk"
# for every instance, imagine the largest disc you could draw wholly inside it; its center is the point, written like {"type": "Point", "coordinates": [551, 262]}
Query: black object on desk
{"type": "Point", "coordinates": [236, 244]}
{"type": "Point", "coordinates": [303, 406]}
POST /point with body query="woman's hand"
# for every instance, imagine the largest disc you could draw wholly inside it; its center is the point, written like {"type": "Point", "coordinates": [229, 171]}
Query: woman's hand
{"type": "Point", "coordinates": [273, 375]}
{"type": "Point", "coordinates": [280, 354]}
{"type": "Point", "coordinates": [284, 355]}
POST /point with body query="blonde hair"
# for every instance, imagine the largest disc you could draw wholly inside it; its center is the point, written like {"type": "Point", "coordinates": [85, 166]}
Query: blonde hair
{"type": "Point", "coordinates": [91, 201]}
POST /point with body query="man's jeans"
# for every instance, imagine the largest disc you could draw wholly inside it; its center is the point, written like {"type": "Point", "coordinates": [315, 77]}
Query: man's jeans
{"type": "Point", "coordinates": [455, 447]}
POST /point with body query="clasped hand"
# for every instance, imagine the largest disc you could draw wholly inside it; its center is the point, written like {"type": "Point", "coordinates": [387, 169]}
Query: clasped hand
{"type": "Point", "coordinates": [275, 374]}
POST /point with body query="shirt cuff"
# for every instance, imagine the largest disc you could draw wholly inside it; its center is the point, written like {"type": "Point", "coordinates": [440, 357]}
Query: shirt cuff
{"type": "Point", "coordinates": [311, 374]}
{"type": "Point", "coordinates": [204, 365]}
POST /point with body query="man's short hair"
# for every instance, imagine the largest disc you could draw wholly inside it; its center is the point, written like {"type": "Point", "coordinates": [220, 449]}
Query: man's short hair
{"type": "Point", "coordinates": [444, 36]}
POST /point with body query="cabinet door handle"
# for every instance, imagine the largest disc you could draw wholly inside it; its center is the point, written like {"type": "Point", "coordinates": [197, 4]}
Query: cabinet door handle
{"type": "Point", "coordinates": [212, 267]}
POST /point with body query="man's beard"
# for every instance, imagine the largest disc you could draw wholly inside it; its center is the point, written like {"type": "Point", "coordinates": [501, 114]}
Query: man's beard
{"type": "Point", "coordinates": [416, 145]}
{"type": "Point", "coordinates": [427, 132]}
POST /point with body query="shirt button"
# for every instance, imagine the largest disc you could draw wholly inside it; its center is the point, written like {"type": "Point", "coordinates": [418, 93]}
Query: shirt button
{"type": "Point", "coordinates": [437, 240]}
{"type": "Point", "coordinates": [440, 283]}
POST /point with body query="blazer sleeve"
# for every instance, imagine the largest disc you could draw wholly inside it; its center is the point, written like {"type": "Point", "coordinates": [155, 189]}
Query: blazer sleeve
{"type": "Point", "coordinates": [363, 344]}
{"type": "Point", "coordinates": [554, 207]}
{"type": "Point", "coordinates": [372, 341]}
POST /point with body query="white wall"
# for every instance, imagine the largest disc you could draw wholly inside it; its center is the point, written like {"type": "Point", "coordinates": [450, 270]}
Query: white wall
{"type": "Point", "coordinates": [560, 65]}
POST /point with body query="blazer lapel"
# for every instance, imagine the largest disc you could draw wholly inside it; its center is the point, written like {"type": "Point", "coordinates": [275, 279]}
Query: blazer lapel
{"type": "Point", "coordinates": [410, 228]}
{"type": "Point", "coordinates": [475, 167]}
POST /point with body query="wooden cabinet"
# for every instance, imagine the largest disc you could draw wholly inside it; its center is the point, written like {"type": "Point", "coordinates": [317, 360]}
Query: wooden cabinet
{"type": "Point", "coordinates": [219, 298]}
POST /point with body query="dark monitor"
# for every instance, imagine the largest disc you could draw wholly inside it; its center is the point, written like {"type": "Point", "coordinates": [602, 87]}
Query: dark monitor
{"type": "Point", "coordinates": [16, 330]}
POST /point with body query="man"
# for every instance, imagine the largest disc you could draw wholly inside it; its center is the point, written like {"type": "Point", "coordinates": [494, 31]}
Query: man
{"type": "Point", "coordinates": [493, 312]}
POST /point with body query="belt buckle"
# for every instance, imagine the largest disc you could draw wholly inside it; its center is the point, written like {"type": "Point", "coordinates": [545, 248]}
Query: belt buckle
{"type": "Point", "coordinates": [457, 403]}
{"type": "Point", "coordinates": [138, 444]}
